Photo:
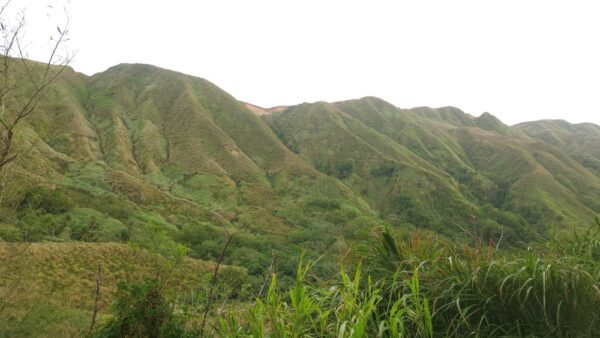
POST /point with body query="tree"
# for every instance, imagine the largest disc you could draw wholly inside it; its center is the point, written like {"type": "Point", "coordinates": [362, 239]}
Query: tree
{"type": "Point", "coordinates": [22, 82]}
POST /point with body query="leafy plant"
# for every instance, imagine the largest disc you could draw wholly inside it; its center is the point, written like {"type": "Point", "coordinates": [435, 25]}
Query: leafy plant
{"type": "Point", "coordinates": [142, 310]}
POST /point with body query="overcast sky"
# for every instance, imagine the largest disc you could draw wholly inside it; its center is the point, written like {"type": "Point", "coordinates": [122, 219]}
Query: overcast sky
{"type": "Point", "coordinates": [519, 60]}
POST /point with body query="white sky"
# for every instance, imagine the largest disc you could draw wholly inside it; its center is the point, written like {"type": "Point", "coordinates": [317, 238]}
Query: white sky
{"type": "Point", "coordinates": [519, 60]}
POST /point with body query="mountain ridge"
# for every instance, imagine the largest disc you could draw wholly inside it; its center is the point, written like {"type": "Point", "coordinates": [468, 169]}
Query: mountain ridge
{"type": "Point", "coordinates": [149, 139]}
{"type": "Point", "coordinates": [175, 165]}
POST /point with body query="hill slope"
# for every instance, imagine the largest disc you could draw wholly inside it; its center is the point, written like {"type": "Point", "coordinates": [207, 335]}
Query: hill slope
{"type": "Point", "coordinates": [147, 155]}
{"type": "Point", "coordinates": [436, 167]}
{"type": "Point", "coordinates": [581, 141]}
{"type": "Point", "coordinates": [115, 156]}
{"type": "Point", "coordinates": [111, 156]}
{"type": "Point", "coordinates": [47, 289]}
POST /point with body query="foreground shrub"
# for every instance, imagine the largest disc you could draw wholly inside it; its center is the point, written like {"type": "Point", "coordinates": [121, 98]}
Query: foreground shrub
{"type": "Point", "coordinates": [532, 296]}
{"type": "Point", "coordinates": [352, 307]}
{"type": "Point", "coordinates": [550, 290]}
{"type": "Point", "coordinates": [142, 310]}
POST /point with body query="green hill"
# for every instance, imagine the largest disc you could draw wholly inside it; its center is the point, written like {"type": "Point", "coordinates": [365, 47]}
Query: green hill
{"type": "Point", "coordinates": [107, 157]}
{"type": "Point", "coordinates": [581, 141]}
{"type": "Point", "coordinates": [147, 155]}
{"type": "Point", "coordinates": [138, 144]}
{"type": "Point", "coordinates": [439, 167]}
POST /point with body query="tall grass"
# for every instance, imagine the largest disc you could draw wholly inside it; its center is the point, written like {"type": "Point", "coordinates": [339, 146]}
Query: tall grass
{"type": "Point", "coordinates": [548, 290]}
{"type": "Point", "coordinates": [423, 287]}
{"type": "Point", "coordinates": [532, 295]}
{"type": "Point", "coordinates": [351, 307]}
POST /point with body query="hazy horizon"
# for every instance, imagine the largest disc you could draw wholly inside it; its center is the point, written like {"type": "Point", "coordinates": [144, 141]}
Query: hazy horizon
{"type": "Point", "coordinates": [518, 61]}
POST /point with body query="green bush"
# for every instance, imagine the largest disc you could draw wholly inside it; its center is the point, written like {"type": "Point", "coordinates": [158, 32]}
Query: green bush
{"type": "Point", "coordinates": [322, 202]}
{"type": "Point", "coordinates": [9, 233]}
{"type": "Point", "coordinates": [35, 225]}
{"type": "Point", "coordinates": [92, 226]}
{"type": "Point", "coordinates": [384, 169]}
{"type": "Point", "coordinates": [142, 310]}
{"type": "Point", "coordinates": [45, 200]}
{"type": "Point", "coordinates": [344, 168]}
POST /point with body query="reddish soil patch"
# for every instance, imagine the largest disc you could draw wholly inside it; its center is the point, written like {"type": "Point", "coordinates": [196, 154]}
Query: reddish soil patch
{"type": "Point", "coordinates": [264, 111]}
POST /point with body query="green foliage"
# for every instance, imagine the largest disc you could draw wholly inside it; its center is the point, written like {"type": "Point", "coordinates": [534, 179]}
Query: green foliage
{"type": "Point", "coordinates": [155, 239]}
{"type": "Point", "coordinates": [92, 226]}
{"type": "Point", "coordinates": [46, 201]}
{"type": "Point", "coordinates": [405, 202]}
{"type": "Point", "coordinates": [41, 318]}
{"type": "Point", "coordinates": [142, 310]}
{"type": "Point", "coordinates": [35, 225]}
{"type": "Point", "coordinates": [351, 307]}
{"type": "Point", "coordinates": [547, 291]}
{"type": "Point", "coordinates": [345, 168]}
{"type": "Point", "coordinates": [384, 169]}
{"type": "Point", "coordinates": [426, 287]}
{"type": "Point", "coordinates": [423, 287]}
{"type": "Point", "coordinates": [81, 224]}
{"type": "Point", "coordinates": [580, 141]}
{"type": "Point", "coordinates": [536, 296]}
{"type": "Point", "coordinates": [321, 202]}
{"type": "Point", "coordinates": [9, 233]}
{"type": "Point", "coordinates": [138, 138]}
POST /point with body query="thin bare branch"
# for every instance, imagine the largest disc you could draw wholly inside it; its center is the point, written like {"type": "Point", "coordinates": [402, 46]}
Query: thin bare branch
{"type": "Point", "coordinates": [61, 37]}
{"type": "Point", "coordinates": [24, 63]}
{"type": "Point", "coordinates": [269, 273]}
{"type": "Point", "coordinates": [213, 280]}
{"type": "Point", "coordinates": [96, 298]}
{"type": "Point", "coordinates": [48, 76]}
{"type": "Point", "coordinates": [465, 231]}
{"type": "Point", "coordinates": [15, 35]}
{"type": "Point", "coordinates": [3, 7]}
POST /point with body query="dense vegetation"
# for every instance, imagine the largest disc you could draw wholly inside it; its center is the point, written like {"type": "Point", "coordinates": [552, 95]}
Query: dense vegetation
{"type": "Point", "coordinates": [171, 164]}
{"type": "Point", "coordinates": [416, 287]}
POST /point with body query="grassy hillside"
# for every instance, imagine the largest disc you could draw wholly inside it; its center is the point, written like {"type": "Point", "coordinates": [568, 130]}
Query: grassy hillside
{"type": "Point", "coordinates": [160, 147]}
{"type": "Point", "coordinates": [441, 167]}
{"type": "Point", "coordinates": [109, 158]}
{"type": "Point", "coordinates": [167, 161]}
{"type": "Point", "coordinates": [47, 289]}
{"type": "Point", "coordinates": [581, 141]}
{"type": "Point", "coordinates": [383, 171]}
